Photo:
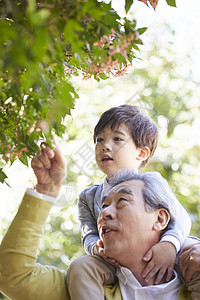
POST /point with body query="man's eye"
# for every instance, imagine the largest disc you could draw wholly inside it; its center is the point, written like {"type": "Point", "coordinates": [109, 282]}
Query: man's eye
{"type": "Point", "coordinates": [122, 199]}
{"type": "Point", "coordinates": [104, 206]}
{"type": "Point", "coordinates": [117, 139]}
{"type": "Point", "coordinates": [99, 140]}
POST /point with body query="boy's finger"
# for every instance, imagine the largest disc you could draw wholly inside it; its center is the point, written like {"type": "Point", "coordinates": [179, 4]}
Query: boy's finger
{"type": "Point", "coordinates": [169, 274]}
{"type": "Point", "coordinates": [151, 274]}
{"type": "Point", "coordinates": [148, 256]}
{"type": "Point", "coordinates": [160, 275]}
{"type": "Point", "coordinates": [147, 269]}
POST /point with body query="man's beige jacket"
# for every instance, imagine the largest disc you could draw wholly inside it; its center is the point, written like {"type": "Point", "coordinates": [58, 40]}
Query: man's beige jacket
{"type": "Point", "coordinates": [21, 278]}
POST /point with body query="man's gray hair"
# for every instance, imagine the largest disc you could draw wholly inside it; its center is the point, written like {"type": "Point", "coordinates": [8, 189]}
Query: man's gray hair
{"type": "Point", "coordinates": [156, 192]}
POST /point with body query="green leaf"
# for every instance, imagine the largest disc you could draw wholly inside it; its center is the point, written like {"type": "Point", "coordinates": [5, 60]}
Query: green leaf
{"type": "Point", "coordinates": [141, 30]}
{"type": "Point", "coordinates": [171, 2]}
{"type": "Point", "coordinates": [103, 76]}
{"type": "Point", "coordinates": [3, 176]}
{"type": "Point", "coordinates": [23, 158]}
{"type": "Point", "coordinates": [136, 47]}
{"type": "Point", "coordinates": [128, 4]}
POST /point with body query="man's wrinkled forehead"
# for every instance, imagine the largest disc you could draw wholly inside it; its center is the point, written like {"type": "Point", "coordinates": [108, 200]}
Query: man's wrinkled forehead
{"type": "Point", "coordinates": [127, 187]}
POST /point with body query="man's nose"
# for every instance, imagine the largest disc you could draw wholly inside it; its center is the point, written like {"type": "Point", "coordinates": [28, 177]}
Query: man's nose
{"type": "Point", "coordinates": [108, 212]}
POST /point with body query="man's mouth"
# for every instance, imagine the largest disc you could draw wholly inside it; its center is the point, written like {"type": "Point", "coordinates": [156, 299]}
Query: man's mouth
{"type": "Point", "coordinates": [106, 230]}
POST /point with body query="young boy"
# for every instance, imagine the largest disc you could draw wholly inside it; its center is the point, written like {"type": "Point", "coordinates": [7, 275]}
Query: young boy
{"type": "Point", "coordinates": [124, 139]}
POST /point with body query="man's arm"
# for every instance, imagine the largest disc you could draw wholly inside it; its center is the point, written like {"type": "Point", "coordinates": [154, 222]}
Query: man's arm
{"type": "Point", "coordinates": [21, 278]}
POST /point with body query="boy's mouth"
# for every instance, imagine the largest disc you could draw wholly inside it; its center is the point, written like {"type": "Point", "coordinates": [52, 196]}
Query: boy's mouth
{"type": "Point", "coordinates": [106, 158]}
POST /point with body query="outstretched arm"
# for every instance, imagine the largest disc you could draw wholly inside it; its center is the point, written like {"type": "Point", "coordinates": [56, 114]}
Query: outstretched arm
{"type": "Point", "coordinates": [21, 278]}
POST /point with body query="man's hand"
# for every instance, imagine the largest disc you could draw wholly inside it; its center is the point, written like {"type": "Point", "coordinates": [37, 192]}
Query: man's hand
{"type": "Point", "coordinates": [161, 259]}
{"type": "Point", "coordinates": [49, 167]}
{"type": "Point", "coordinates": [189, 259]}
{"type": "Point", "coordinates": [99, 250]}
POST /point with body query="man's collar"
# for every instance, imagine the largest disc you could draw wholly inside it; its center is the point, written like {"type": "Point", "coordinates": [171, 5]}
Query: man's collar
{"type": "Point", "coordinates": [124, 274]}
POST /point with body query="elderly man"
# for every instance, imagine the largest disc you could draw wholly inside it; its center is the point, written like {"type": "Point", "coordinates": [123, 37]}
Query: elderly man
{"type": "Point", "coordinates": [129, 209]}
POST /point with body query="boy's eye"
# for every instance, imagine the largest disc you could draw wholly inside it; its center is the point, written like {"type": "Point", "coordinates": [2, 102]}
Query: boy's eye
{"type": "Point", "coordinates": [99, 140]}
{"type": "Point", "coordinates": [117, 139]}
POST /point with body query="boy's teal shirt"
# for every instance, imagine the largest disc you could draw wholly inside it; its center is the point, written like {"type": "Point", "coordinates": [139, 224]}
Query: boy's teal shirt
{"type": "Point", "coordinates": [21, 278]}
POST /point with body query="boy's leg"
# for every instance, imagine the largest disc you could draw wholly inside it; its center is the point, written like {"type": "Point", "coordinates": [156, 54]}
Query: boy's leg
{"type": "Point", "coordinates": [194, 286]}
{"type": "Point", "coordinates": [87, 275]}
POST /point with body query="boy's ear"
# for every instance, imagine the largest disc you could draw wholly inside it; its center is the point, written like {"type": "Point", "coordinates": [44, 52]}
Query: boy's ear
{"type": "Point", "coordinates": [161, 220]}
{"type": "Point", "coordinates": [144, 153]}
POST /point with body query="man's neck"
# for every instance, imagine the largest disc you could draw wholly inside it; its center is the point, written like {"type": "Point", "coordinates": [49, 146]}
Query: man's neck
{"type": "Point", "coordinates": [137, 269]}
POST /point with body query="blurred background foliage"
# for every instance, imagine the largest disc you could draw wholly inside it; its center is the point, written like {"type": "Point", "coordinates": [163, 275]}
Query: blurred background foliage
{"type": "Point", "coordinates": [42, 44]}
{"type": "Point", "coordinates": [170, 96]}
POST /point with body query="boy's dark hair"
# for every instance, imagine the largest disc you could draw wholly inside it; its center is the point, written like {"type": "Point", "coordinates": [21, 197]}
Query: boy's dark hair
{"type": "Point", "coordinates": [144, 132]}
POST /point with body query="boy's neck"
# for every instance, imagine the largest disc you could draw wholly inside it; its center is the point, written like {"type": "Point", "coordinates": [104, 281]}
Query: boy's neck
{"type": "Point", "coordinates": [108, 177]}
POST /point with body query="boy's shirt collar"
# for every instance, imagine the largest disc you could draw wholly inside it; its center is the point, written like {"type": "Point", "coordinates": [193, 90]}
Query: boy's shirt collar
{"type": "Point", "coordinates": [107, 186]}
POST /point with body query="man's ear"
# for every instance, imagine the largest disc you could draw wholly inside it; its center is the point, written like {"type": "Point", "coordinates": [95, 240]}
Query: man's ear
{"type": "Point", "coordinates": [162, 219]}
{"type": "Point", "coordinates": [144, 153]}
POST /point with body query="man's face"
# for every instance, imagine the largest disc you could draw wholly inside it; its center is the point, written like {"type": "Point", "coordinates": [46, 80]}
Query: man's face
{"type": "Point", "coordinates": [124, 225]}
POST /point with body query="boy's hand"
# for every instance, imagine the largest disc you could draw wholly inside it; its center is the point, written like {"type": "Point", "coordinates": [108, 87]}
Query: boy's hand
{"type": "Point", "coordinates": [161, 259]}
{"type": "Point", "coordinates": [99, 250]}
{"type": "Point", "coordinates": [189, 260]}
{"type": "Point", "coordinates": [49, 167]}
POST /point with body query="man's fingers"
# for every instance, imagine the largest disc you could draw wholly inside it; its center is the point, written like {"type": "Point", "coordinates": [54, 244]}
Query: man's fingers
{"type": "Point", "coordinates": [44, 159]}
{"type": "Point", "coordinates": [36, 163]}
{"type": "Point", "coordinates": [47, 150]}
{"type": "Point", "coordinates": [60, 160]}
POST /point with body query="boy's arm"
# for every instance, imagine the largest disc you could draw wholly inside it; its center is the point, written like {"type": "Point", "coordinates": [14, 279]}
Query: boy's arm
{"type": "Point", "coordinates": [162, 256]}
{"type": "Point", "coordinates": [90, 235]}
{"type": "Point", "coordinates": [89, 231]}
{"type": "Point", "coordinates": [180, 231]}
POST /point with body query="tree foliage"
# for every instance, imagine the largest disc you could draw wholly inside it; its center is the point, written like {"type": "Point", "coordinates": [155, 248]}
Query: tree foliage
{"type": "Point", "coordinates": [42, 45]}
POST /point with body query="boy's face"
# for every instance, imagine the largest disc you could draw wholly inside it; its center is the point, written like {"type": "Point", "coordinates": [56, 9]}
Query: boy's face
{"type": "Point", "coordinates": [115, 150]}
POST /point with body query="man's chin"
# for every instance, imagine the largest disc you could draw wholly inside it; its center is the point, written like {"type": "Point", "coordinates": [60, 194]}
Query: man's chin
{"type": "Point", "coordinates": [110, 252]}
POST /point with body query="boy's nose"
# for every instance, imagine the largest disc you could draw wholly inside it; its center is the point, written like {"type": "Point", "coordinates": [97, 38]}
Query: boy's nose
{"type": "Point", "coordinates": [106, 147]}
